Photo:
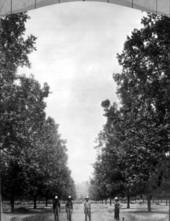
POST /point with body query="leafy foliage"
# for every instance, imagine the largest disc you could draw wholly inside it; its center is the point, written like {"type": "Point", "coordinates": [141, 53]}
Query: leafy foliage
{"type": "Point", "coordinates": [137, 131]}
{"type": "Point", "coordinates": [34, 156]}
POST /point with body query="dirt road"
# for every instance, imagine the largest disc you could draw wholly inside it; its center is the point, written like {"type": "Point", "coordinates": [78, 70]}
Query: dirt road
{"type": "Point", "coordinates": [99, 213]}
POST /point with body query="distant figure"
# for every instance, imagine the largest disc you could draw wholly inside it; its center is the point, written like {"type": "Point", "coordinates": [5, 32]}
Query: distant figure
{"type": "Point", "coordinates": [87, 209]}
{"type": "Point", "coordinates": [56, 208]}
{"type": "Point", "coordinates": [69, 208]}
{"type": "Point", "coordinates": [117, 207]}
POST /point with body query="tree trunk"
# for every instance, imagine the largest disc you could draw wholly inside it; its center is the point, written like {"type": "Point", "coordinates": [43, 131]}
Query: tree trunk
{"type": "Point", "coordinates": [149, 202]}
{"type": "Point", "coordinates": [12, 203]}
{"type": "Point", "coordinates": [35, 202]}
{"type": "Point", "coordinates": [1, 203]}
{"type": "Point", "coordinates": [106, 202]}
{"type": "Point", "coordinates": [128, 198]}
{"type": "Point", "coordinates": [46, 202]}
{"type": "Point", "coordinates": [110, 201]}
{"type": "Point", "coordinates": [128, 201]}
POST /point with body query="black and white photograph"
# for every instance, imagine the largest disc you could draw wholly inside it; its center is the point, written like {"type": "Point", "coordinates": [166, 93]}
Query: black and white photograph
{"type": "Point", "coordinates": [85, 110]}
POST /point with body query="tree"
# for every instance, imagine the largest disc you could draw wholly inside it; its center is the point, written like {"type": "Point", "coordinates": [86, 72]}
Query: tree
{"type": "Point", "coordinates": [25, 113]}
{"type": "Point", "coordinates": [137, 130]}
{"type": "Point", "coordinates": [143, 86]}
{"type": "Point", "coordinates": [14, 50]}
{"type": "Point", "coordinates": [33, 153]}
{"type": "Point", "coordinates": [50, 159]}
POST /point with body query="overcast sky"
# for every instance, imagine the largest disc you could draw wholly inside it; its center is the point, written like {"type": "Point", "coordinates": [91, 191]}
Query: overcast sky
{"type": "Point", "coordinates": [76, 55]}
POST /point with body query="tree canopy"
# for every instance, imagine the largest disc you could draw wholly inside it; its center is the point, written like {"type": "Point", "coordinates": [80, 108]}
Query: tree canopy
{"type": "Point", "coordinates": [34, 156]}
{"type": "Point", "coordinates": [137, 128]}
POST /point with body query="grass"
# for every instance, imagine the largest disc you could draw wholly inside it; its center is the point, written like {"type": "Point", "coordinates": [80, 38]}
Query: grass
{"type": "Point", "coordinates": [141, 217]}
{"type": "Point", "coordinates": [42, 217]}
{"type": "Point", "coordinates": [139, 213]}
{"type": "Point", "coordinates": [26, 213]}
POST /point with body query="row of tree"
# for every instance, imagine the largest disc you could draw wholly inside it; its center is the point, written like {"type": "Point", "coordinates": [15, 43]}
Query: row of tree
{"type": "Point", "coordinates": [33, 154]}
{"type": "Point", "coordinates": [134, 143]}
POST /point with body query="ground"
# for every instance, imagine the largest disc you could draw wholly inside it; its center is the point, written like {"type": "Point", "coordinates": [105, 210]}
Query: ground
{"type": "Point", "coordinates": [100, 212]}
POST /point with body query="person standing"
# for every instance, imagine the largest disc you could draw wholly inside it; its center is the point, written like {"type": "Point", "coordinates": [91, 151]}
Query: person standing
{"type": "Point", "coordinates": [69, 208]}
{"type": "Point", "coordinates": [87, 209]}
{"type": "Point", "coordinates": [117, 207]}
{"type": "Point", "coordinates": [56, 208]}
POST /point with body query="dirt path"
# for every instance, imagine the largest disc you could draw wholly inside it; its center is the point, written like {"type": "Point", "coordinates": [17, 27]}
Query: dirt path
{"type": "Point", "coordinates": [99, 213]}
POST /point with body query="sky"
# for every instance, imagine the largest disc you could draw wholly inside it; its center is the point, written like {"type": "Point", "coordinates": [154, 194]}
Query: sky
{"type": "Point", "coordinates": [77, 45]}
